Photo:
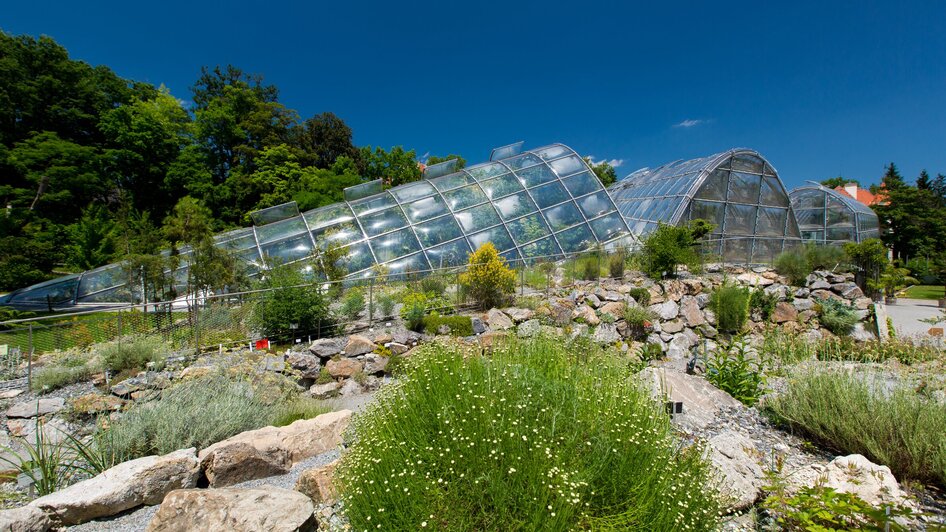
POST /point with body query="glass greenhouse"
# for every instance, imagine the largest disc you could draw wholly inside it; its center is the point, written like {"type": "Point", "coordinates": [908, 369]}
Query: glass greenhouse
{"type": "Point", "coordinates": [738, 190]}
{"type": "Point", "coordinates": [544, 202]}
{"type": "Point", "coordinates": [826, 216]}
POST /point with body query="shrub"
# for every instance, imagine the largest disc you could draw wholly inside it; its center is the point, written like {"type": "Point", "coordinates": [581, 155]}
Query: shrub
{"type": "Point", "coordinates": [459, 325]}
{"type": "Point", "coordinates": [639, 319]}
{"type": "Point", "coordinates": [586, 268]}
{"type": "Point", "coordinates": [822, 508]}
{"type": "Point", "coordinates": [762, 302]}
{"type": "Point", "coordinates": [616, 264]}
{"type": "Point", "coordinates": [131, 353]}
{"type": "Point", "coordinates": [386, 305]}
{"type": "Point", "coordinates": [734, 370]}
{"type": "Point", "coordinates": [69, 370]}
{"type": "Point", "coordinates": [291, 302]}
{"type": "Point", "coordinates": [433, 285]}
{"type": "Point", "coordinates": [353, 305]}
{"type": "Point", "coordinates": [299, 408]}
{"type": "Point", "coordinates": [539, 436]}
{"type": "Point", "coordinates": [641, 295]}
{"type": "Point", "coordinates": [488, 278]}
{"type": "Point", "coordinates": [863, 414]}
{"type": "Point", "coordinates": [730, 303]}
{"type": "Point", "coordinates": [837, 316]}
{"type": "Point", "coordinates": [869, 258]}
{"type": "Point", "coordinates": [824, 257]}
{"type": "Point", "coordinates": [413, 309]}
{"type": "Point", "coordinates": [793, 265]}
{"type": "Point", "coordinates": [672, 245]}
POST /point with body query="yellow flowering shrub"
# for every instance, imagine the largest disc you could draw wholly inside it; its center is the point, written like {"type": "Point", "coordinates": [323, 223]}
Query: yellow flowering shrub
{"type": "Point", "coordinates": [488, 279]}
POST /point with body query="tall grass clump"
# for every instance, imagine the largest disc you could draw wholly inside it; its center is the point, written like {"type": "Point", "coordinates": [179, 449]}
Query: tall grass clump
{"type": "Point", "coordinates": [730, 303]}
{"type": "Point", "coordinates": [861, 414]}
{"type": "Point", "coordinates": [793, 265]}
{"type": "Point", "coordinates": [540, 435]}
{"type": "Point", "coordinates": [132, 353]}
{"type": "Point", "coordinates": [68, 370]}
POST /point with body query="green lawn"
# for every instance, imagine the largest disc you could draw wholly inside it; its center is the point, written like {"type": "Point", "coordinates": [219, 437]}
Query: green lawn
{"type": "Point", "coordinates": [924, 291]}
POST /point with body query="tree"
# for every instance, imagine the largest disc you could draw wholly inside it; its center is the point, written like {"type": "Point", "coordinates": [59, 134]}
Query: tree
{"type": "Point", "coordinates": [605, 172]}
{"type": "Point", "coordinates": [90, 244]}
{"type": "Point", "coordinates": [395, 166]}
{"type": "Point", "coordinates": [488, 278]}
{"type": "Point", "coordinates": [433, 159]}
{"type": "Point", "coordinates": [189, 229]}
{"type": "Point", "coordinates": [291, 303]}
{"type": "Point", "coordinates": [671, 245]}
{"type": "Point", "coordinates": [913, 219]}
{"type": "Point", "coordinates": [839, 181]}
{"type": "Point", "coordinates": [322, 139]}
{"type": "Point", "coordinates": [924, 182]}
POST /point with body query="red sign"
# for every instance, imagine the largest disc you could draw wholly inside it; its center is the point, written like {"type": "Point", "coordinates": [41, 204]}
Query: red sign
{"type": "Point", "coordinates": [262, 345]}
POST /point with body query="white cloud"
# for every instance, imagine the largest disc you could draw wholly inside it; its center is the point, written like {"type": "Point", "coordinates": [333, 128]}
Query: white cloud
{"type": "Point", "coordinates": [613, 162]}
{"type": "Point", "coordinates": [690, 122]}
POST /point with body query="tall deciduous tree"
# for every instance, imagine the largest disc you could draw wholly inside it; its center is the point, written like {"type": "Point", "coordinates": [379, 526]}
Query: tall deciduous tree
{"type": "Point", "coordinates": [605, 172]}
{"type": "Point", "coordinates": [395, 166]}
{"type": "Point", "coordinates": [322, 139]}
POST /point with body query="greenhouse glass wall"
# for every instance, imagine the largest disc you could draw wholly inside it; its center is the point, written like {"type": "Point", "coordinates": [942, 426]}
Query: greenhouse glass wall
{"type": "Point", "coordinates": [737, 190]}
{"type": "Point", "coordinates": [826, 216]}
{"type": "Point", "coordinates": [544, 202]}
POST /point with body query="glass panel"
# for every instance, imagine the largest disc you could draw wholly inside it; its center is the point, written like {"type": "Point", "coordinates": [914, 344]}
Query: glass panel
{"type": "Point", "coordinates": [275, 213]}
{"type": "Point", "coordinates": [771, 221]}
{"type": "Point", "coordinates": [363, 190]}
{"type": "Point", "coordinates": [772, 193]}
{"type": "Point", "coordinates": [736, 250]}
{"type": "Point", "coordinates": [478, 218]}
{"type": "Point", "coordinates": [462, 198]}
{"type": "Point", "coordinates": [766, 249]}
{"type": "Point", "coordinates": [436, 231]}
{"type": "Point", "coordinates": [769, 170]}
{"type": "Point", "coordinates": [280, 230]}
{"type": "Point", "coordinates": [528, 228]}
{"type": "Point", "coordinates": [595, 204]}
{"type": "Point", "coordinates": [608, 227]}
{"type": "Point", "coordinates": [715, 186]}
{"type": "Point", "coordinates": [289, 250]}
{"type": "Point", "coordinates": [511, 256]}
{"type": "Point", "coordinates": [425, 209]}
{"type": "Point", "coordinates": [567, 165]}
{"type": "Point", "coordinates": [744, 188]}
{"type": "Point", "coordinates": [709, 211]}
{"type": "Point", "coordinates": [452, 181]}
{"type": "Point", "coordinates": [414, 263]}
{"type": "Point", "coordinates": [372, 204]}
{"type": "Point", "coordinates": [840, 233]}
{"type": "Point", "coordinates": [118, 294]}
{"type": "Point", "coordinates": [522, 161]}
{"type": "Point", "coordinates": [341, 234]}
{"type": "Point", "coordinates": [563, 216]}
{"type": "Point", "coordinates": [497, 235]}
{"type": "Point", "coordinates": [57, 291]}
{"type": "Point", "coordinates": [383, 221]}
{"type": "Point", "coordinates": [867, 221]}
{"type": "Point", "coordinates": [514, 206]}
{"type": "Point", "coordinates": [101, 279]}
{"type": "Point", "coordinates": [357, 257]}
{"type": "Point", "coordinates": [578, 238]}
{"type": "Point", "coordinates": [536, 175]}
{"type": "Point", "coordinates": [739, 219]}
{"type": "Point", "coordinates": [394, 245]}
{"type": "Point", "coordinates": [552, 152]}
{"type": "Point", "coordinates": [747, 163]}
{"type": "Point", "coordinates": [838, 214]}
{"type": "Point", "coordinates": [501, 186]}
{"type": "Point", "coordinates": [545, 248]}
{"type": "Point", "coordinates": [581, 184]}
{"type": "Point", "coordinates": [236, 244]}
{"type": "Point", "coordinates": [808, 199]}
{"type": "Point", "coordinates": [810, 218]}
{"type": "Point", "coordinates": [412, 191]}
{"type": "Point", "coordinates": [450, 254]}
{"type": "Point", "coordinates": [251, 259]}
{"type": "Point", "coordinates": [486, 171]}
{"type": "Point", "coordinates": [548, 195]}
{"type": "Point", "coordinates": [328, 215]}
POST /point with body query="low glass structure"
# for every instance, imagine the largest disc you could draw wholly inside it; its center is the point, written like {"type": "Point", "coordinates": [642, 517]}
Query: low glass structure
{"type": "Point", "coordinates": [826, 216]}
{"type": "Point", "coordinates": [544, 202]}
{"type": "Point", "coordinates": [738, 190]}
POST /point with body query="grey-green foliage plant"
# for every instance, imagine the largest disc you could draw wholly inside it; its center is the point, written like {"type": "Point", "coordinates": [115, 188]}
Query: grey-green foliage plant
{"type": "Point", "coordinates": [353, 304]}
{"type": "Point", "coordinates": [737, 370]}
{"type": "Point", "coordinates": [837, 316]}
{"type": "Point", "coordinates": [290, 301]}
{"type": "Point", "coordinates": [730, 304]}
{"type": "Point", "coordinates": [794, 265]}
{"type": "Point", "coordinates": [386, 305]}
{"type": "Point", "coordinates": [132, 352]}
{"type": "Point", "coordinates": [763, 302]}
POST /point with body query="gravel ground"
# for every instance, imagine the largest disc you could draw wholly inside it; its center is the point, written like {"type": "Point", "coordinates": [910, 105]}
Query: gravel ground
{"type": "Point", "coordinates": [137, 520]}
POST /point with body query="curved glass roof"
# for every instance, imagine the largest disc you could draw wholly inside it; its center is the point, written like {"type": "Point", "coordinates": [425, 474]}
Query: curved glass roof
{"type": "Point", "coordinates": [544, 202]}
{"type": "Point", "coordinates": [738, 190]}
{"type": "Point", "coordinates": [826, 216]}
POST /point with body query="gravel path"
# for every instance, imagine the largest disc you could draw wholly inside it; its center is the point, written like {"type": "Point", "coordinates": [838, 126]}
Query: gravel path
{"type": "Point", "coordinates": [137, 520]}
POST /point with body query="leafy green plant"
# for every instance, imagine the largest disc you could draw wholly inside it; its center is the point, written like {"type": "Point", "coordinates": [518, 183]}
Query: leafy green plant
{"type": "Point", "coordinates": [639, 319]}
{"type": "Point", "coordinates": [488, 278]}
{"type": "Point", "coordinates": [587, 268]}
{"type": "Point", "coordinates": [825, 257]}
{"type": "Point", "coordinates": [672, 245]}
{"type": "Point", "coordinates": [413, 309]}
{"type": "Point", "coordinates": [132, 352]}
{"type": "Point", "coordinates": [762, 302]}
{"type": "Point", "coordinates": [353, 305]}
{"type": "Point", "coordinates": [793, 265]}
{"type": "Point", "coordinates": [837, 316]}
{"type": "Point", "coordinates": [541, 435]}
{"type": "Point", "coordinates": [616, 262]}
{"type": "Point", "coordinates": [730, 304]}
{"type": "Point", "coordinates": [641, 295]}
{"type": "Point", "coordinates": [892, 280]}
{"type": "Point", "coordinates": [458, 325]}
{"type": "Point", "coordinates": [433, 285]}
{"type": "Point", "coordinates": [47, 463]}
{"type": "Point", "coordinates": [735, 370]}
{"type": "Point", "coordinates": [386, 305]}
{"type": "Point", "coordinates": [869, 259]}
{"type": "Point", "coordinates": [292, 305]}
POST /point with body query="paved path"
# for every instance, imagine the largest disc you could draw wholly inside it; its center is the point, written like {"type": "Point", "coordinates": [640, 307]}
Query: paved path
{"type": "Point", "coordinates": [907, 313]}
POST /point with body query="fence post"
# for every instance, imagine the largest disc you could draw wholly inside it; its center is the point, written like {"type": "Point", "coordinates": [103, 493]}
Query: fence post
{"type": "Point", "coordinates": [522, 278]}
{"type": "Point", "coordinates": [370, 301]}
{"type": "Point", "coordinates": [196, 325]}
{"type": "Point", "coordinates": [119, 329]}
{"type": "Point", "coordinates": [29, 363]}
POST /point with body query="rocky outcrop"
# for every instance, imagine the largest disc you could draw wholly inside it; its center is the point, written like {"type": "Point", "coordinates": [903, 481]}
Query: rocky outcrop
{"type": "Point", "coordinates": [741, 479]}
{"type": "Point", "coordinates": [240, 461]}
{"type": "Point", "coordinates": [244, 510]}
{"type": "Point", "coordinates": [497, 320]}
{"type": "Point", "coordinates": [701, 400]}
{"type": "Point", "coordinates": [39, 407]}
{"type": "Point", "coordinates": [128, 485]}
{"type": "Point", "coordinates": [318, 483]}
{"type": "Point", "coordinates": [344, 367]}
{"type": "Point", "coordinates": [24, 519]}
{"type": "Point", "coordinates": [873, 483]}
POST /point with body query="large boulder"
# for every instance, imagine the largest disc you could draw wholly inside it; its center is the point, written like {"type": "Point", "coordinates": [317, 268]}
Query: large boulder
{"type": "Point", "coordinates": [274, 445]}
{"type": "Point", "coordinates": [39, 407]}
{"type": "Point", "coordinates": [308, 365]}
{"type": "Point", "coordinates": [741, 478]}
{"type": "Point", "coordinates": [318, 483]}
{"type": "Point", "coordinates": [498, 320]}
{"type": "Point", "coordinates": [784, 312]}
{"type": "Point", "coordinates": [343, 367]}
{"type": "Point", "coordinates": [375, 363]}
{"type": "Point", "coordinates": [244, 510]}
{"type": "Point", "coordinates": [128, 485]}
{"type": "Point", "coordinates": [690, 311]}
{"type": "Point", "coordinates": [240, 461]}
{"type": "Point", "coordinates": [24, 519]}
{"type": "Point", "coordinates": [606, 333]}
{"type": "Point", "coordinates": [359, 345]}
{"type": "Point", "coordinates": [702, 401]}
{"type": "Point", "coordinates": [667, 310]}
{"type": "Point", "coordinates": [855, 474]}
{"type": "Point", "coordinates": [327, 347]}
{"type": "Point", "coordinates": [325, 390]}
{"type": "Point", "coordinates": [519, 315]}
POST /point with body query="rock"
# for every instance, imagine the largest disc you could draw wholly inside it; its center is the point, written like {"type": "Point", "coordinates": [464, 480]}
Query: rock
{"type": "Point", "coordinates": [579, 329]}
{"type": "Point", "coordinates": [24, 519]}
{"type": "Point", "coordinates": [606, 333]}
{"type": "Point", "coordinates": [701, 400]}
{"type": "Point", "coordinates": [272, 363]}
{"type": "Point", "coordinates": [343, 368]}
{"type": "Point", "coordinates": [560, 313]}
{"type": "Point", "coordinates": [707, 330]}
{"type": "Point", "coordinates": [672, 326]}
{"type": "Point", "coordinates": [784, 312]}
{"type": "Point", "coordinates": [375, 363]}
{"type": "Point", "coordinates": [863, 303]}
{"type": "Point", "coordinates": [403, 335]}
{"type": "Point", "coordinates": [519, 315]}
{"type": "Point", "coordinates": [780, 291]}
{"type": "Point", "coordinates": [302, 439]}
{"type": "Point", "coordinates": [667, 310]}
{"type": "Point", "coordinates": [142, 396]}
{"type": "Point", "coordinates": [690, 311]}
{"type": "Point", "coordinates": [586, 314]}
{"type": "Point", "coordinates": [614, 308]}
{"type": "Point", "coordinates": [146, 380]}
{"type": "Point", "coordinates": [610, 295]}
{"type": "Point", "coordinates": [54, 430]}
{"type": "Point", "coordinates": [358, 345]}
{"type": "Point", "coordinates": [128, 485]}
{"type": "Point", "coordinates": [861, 334]}
{"type": "Point", "coordinates": [851, 291]}
{"type": "Point", "coordinates": [855, 474]}
{"type": "Point", "coordinates": [819, 284]}
{"type": "Point", "coordinates": [593, 300]}
{"type": "Point", "coordinates": [235, 509]}
{"type": "Point", "coordinates": [350, 387]}
{"type": "Point", "coordinates": [679, 347]}
{"type": "Point", "coordinates": [94, 403]}
{"type": "Point", "coordinates": [478, 326]}
{"type": "Point", "coordinates": [306, 364]}
{"type": "Point", "coordinates": [754, 279]}
{"type": "Point", "coordinates": [39, 407]}
{"type": "Point", "coordinates": [802, 293]}
{"type": "Point", "coordinates": [498, 320]}
{"type": "Point", "coordinates": [741, 479]}
{"type": "Point", "coordinates": [240, 461]}
{"type": "Point", "coordinates": [317, 483]}
{"type": "Point", "coordinates": [803, 304]}
{"type": "Point", "coordinates": [489, 339]}
{"type": "Point", "coordinates": [398, 349]}
{"type": "Point", "coordinates": [528, 329]}
{"type": "Point", "coordinates": [195, 372]}
{"type": "Point", "coordinates": [10, 394]}
{"type": "Point", "coordinates": [821, 295]}
{"type": "Point", "coordinates": [327, 347]}
{"type": "Point", "coordinates": [324, 391]}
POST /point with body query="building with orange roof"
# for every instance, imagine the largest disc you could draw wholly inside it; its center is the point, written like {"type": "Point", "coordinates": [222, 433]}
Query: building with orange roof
{"type": "Point", "coordinates": [864, 196]}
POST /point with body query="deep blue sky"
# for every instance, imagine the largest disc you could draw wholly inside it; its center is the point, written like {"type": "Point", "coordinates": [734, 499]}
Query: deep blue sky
{"type": "Point", "coordinates": [820, 88]}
